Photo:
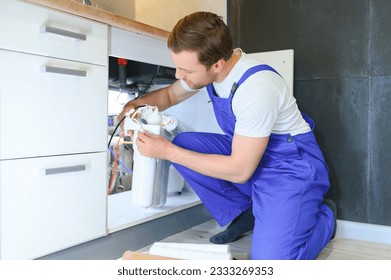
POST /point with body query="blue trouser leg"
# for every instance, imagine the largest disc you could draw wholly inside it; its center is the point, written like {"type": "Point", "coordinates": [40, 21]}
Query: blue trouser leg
{"type": "Point", "coordinates": [294, 226]}
{"type": "Point", "coordinates": [286, 192]}
{"type": "Point", "coordinates": [290, 220]}
{"type": "Point", "coordinates": [224, 200]}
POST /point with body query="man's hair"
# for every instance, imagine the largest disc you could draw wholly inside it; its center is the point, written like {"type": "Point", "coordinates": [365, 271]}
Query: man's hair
{"type": "Point", "coordinates": [205, 33]}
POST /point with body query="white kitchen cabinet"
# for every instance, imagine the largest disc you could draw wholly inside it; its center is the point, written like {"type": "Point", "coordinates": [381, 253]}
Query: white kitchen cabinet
{"type": "Point", "coordinates": [29, 28]}
{"type": "Point", "coordinates": [50, 106]}
{"type": "Point", "coordinates": [50, 203]}
{"type": "Point", "coordinates": [53, 130]}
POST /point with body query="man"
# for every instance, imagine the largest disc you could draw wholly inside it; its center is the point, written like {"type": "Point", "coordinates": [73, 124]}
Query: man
{"type": "Point", "coordinates": [266, 173]}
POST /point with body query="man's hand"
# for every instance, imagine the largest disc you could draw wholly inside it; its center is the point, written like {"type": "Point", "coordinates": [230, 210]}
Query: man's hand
{"type": "Point", "coordinates": [151, 145]}
{"type": "Point", "coordinates": [128, 106]}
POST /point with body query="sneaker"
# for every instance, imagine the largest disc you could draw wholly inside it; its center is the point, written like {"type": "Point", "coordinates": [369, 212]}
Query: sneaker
{"type": "Point", "coordinates": [331, 204]}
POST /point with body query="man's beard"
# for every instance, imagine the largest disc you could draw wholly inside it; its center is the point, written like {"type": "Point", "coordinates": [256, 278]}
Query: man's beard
{"type": "Point", "coordinates": [211, 78]}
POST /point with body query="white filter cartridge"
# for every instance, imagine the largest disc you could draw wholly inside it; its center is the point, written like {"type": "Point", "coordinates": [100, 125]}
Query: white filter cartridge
{"type": "Point", "coordinates": [144, 171]}
{"type": "Point", "coordinates": [190, 251]}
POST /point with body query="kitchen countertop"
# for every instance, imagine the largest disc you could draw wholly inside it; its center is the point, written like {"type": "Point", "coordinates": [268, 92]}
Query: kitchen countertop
{"type": "Point", "coordinates": [77, 8]}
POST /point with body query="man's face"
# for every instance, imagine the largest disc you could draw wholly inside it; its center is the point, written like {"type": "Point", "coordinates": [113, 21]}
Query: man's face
{"type": "Point", "coordinates": [190, 70]}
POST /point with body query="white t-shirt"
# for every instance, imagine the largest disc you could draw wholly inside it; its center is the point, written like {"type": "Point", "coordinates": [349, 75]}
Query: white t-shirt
{"type": "Point", "coordinates": [263, 104]}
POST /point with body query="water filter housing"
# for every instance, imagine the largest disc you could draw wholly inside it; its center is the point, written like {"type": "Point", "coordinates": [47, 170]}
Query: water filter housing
{"type": "Point", "coordinates": [151, 177]}
{"type": "Point", "coordinates": [144, 172]}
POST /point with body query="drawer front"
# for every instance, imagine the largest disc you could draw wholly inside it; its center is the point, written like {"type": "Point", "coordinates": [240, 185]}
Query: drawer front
{"type": "Point", "coordinates": [33, 29]}
{"type": "Point", "coordinates": [49, 204]}
{"type": "Point", "coordinates": [50, 106]}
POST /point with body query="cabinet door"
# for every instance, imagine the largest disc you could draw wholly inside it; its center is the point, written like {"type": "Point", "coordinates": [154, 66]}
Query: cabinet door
{"type": "Point", "coordinates": [50, 106]}
{"type": "Point", "coordinates": [281, 60]}
{"type": "Point", "coordinates": [33, 29]}
{"type": "Point", "coordinates": [51, 203]}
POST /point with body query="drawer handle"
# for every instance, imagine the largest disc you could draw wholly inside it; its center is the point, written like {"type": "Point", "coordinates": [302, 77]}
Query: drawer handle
{"type": "Point", "coordinates": [62, 32]}
{"type": "Point", "coordinates": [64, 169]}
{"type": "Point", "coordinates": [64, 71]}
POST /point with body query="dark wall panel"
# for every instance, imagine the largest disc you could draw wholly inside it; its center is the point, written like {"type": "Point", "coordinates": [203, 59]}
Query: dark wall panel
{"type": "Point", "coordinates": [342, 80]}
{"type": "Point", "coordinates": [330, 38]}
{"type": "Point", "coordinates": [380, 151]}
{"type": "Point", "coordinates": [380, 55]}
{"type": "Point", "coordinates": [341, 131]}
{"type": "Point", "coordinates": [380, 114]}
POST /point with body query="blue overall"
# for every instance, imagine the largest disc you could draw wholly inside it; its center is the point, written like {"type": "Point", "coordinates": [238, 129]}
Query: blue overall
{"type": "Point", "coordinates": [286, 190]}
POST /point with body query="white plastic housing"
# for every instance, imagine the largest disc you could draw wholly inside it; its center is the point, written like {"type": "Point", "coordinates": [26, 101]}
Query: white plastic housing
{"type": "Point", "coordinates": [144, 171]}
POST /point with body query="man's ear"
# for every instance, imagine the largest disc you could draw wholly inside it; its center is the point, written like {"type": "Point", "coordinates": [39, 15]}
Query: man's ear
{"type": "Point", "coordinates": [218, 66]}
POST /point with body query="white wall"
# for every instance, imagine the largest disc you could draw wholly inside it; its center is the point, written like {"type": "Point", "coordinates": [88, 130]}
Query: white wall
{"type": "Point", "coordinates": [158, 13]}
{"type": "Point", "coordinates": [123, 8]}
{"type": "Point", "coordinates": [165, 14]}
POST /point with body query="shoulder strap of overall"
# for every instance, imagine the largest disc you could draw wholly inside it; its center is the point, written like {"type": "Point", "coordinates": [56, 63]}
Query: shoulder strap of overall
{"type": "Point", "coordinates": [249, 72]}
